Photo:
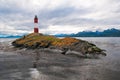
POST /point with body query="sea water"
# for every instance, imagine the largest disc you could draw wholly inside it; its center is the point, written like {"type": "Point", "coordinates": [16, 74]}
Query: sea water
{"type": "Point", "coordinates": [14, 66]}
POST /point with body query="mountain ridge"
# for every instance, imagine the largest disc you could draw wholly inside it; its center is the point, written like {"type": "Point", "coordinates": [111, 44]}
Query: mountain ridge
{"type": "Point", "coordinates": [106, 33]}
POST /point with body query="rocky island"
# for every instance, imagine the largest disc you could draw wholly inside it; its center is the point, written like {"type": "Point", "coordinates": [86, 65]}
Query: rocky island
{"type": "Point", "coordinates": [38, 41]}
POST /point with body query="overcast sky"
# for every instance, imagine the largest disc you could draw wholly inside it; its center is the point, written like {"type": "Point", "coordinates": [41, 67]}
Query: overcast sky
{"type": "Point", "coordinates": [58, 16]}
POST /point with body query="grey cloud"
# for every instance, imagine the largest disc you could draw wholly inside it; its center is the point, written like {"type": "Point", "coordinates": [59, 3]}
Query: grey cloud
{"type": "Point", "coordinates": [22, 18]}
{"type": "Point", "coordinates": [62, 16]}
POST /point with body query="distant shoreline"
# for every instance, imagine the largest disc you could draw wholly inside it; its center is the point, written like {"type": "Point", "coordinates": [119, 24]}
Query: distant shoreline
{"type": "Point", "coordinates": [106, 33]}
{"type": "Point", "coordinates": [68, 36]}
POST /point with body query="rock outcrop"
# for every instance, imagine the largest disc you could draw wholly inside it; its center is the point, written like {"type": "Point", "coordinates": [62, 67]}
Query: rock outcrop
{"type": "Point", "coordinates": [37, 41]}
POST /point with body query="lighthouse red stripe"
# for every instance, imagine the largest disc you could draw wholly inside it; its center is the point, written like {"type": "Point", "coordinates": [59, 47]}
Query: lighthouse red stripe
{"type": "Point", "coordinates": [35, 30]}
{"type": "Point", "coordinates": [35, 20]}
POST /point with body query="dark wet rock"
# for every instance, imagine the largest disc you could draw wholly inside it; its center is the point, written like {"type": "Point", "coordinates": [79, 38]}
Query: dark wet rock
{"type": "Point", "coordinates": [64, 50]}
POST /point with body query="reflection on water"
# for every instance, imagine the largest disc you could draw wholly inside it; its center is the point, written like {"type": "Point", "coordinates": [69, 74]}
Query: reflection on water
{"type": "Point", "coordinates": [34, 73]}
{"type": "Point", "coordinates": [40, 65]}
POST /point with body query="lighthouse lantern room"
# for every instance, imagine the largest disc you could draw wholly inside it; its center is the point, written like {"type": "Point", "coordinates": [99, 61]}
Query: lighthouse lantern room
{"type": "Point", "coordinates": [36, 30]}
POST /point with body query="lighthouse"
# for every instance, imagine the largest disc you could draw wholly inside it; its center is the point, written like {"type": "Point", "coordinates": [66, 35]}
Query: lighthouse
{"type": "Point", "coordinates": [36, 30]}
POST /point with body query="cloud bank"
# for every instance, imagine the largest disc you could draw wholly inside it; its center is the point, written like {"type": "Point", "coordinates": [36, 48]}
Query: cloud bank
{"type": "Point", "coordinates": [58, 16]}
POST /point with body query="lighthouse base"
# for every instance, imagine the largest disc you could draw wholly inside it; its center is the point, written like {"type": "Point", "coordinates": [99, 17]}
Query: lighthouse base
{"type": "Point", "coordinates": [36, 30]}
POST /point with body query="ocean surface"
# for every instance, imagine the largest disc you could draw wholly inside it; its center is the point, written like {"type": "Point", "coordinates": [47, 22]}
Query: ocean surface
{"type": "Point", "coordinates": [17, 64]}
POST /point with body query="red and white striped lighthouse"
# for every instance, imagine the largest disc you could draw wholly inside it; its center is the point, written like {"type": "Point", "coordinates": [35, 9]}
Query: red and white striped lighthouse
{"type": "Point", "coordinates": [36, 30]}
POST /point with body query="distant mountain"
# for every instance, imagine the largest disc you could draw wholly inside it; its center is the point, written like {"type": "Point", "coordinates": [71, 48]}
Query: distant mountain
{"type": "Point", "coordinates": [9, 36]}
{"type": "Point", "coordinates": [106, 33]}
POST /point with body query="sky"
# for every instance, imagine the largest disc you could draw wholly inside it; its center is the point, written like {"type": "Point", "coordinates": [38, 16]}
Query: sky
{"type": "Point", "coordinates": [58, 16]}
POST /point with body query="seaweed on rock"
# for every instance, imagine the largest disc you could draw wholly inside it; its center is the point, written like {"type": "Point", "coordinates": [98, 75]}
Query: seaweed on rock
{"type": "Point", "coordinates": [38, 40]}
